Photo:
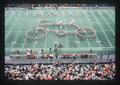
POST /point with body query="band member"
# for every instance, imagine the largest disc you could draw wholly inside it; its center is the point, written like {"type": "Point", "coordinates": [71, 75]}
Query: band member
{"type": "Point", "coordinates": [50, 49]}
{"type": "Point", "coordinates": [41, 50]}
{"type": "Point", "coordinates": [55, 45]}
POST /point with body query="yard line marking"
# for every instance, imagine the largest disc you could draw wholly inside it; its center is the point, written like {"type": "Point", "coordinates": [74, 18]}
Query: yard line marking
{"type": "Point", "coordinates": [34, 43]}
{"type": "Point", "coordinates": [106, 22]}
{"type": "Point", "coordinates": [12, 45]}
{"type": "Point", "coordinates": [15, 38]}
{"type": "Point", "coordinates": [21, 31]}
{"type": "Point", "coordinates": [91, 25]}
{"type": "Point", "coordinates": [77, 40]}
{"type": "Point", "coordinates": [56, 36]}
{"type": "Point", "coordinates": [24, 42]}
{"type": "Point", "coordinates": [86, 37]}
{"type": "Point", "coordinates": [39, 35]}
{"type": "Point", "coordinates": [109, 16]}
{"type": "Point", "coordinates": [24, 39]}
{"type": "Point", "coordinates": [78, 26]}
{"type": "Point", "coordinates": [9, 18]}
{"type": "Point", "coordinates": [66, 29]}
{"type": "Point", "coordinates": [45, 41]}
{"type": "Point", "coordinates": [88, 42]}
{"type": "Point", "coordinates": [13, 26]}
{"type": "Point", "coordinates": [75, 34]}
{"type": "Point", "coordinates": [101, 28]}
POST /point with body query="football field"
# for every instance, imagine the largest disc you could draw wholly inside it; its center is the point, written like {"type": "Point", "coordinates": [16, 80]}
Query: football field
{"type": "Point", "coordinates": [18, 22]}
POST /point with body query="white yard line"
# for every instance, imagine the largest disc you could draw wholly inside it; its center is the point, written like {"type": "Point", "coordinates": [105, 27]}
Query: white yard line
{"type": "Point", "coordinates": [75, 34]}
{"type": "Point", "coordinates": [66, 29]}
{"type": "Point", "coordinates": [16, 38]}
{"type": "Point", "coordinates": [46, 36]}
{"type": "Point", "coordinates": [101, 28]}
{"type": "Point", "coordinates": [34, 44]}
{"type": "Point", "coordinates": [90, 24]}
{"type": "Point", "coordinates": [45, 41]}
{"type": "Point", "coordinates": [56, 40]}
{"type": "Point", "coordinates": [24, 42]}
{"type": "Point", "coordinates": [109, 16]}
{"type": "Point", "coordinates": [10, 18]}
{"type": "Point", "coordinates": [106, 22]}
{"type": "Point", "coordinates": [77, 40]}
{"type": "Point", "coordinates": [88, 42]}
{"type": "Point", "coordinates": [85, 36]}
{"type": "Point", "coordinates": [25, 37]}
{"type": "Point", "coordinates": [19, 34]}
{"type": "Point", "coordinates": [12, 46]}
{"type": "Point", "coordinates": [13, 26]}
{"type": "Point", "coordinates": [39, 19]}
{"type": "Point", "coordinates": [66, 41]}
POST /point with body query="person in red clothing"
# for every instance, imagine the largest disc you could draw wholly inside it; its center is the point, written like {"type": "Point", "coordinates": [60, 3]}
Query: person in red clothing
{"type": "Point", "coordinates": [49, 77]}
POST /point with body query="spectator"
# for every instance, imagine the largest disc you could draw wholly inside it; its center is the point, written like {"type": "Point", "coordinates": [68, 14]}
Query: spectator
{"type": "Point", "coordinates": [60, 72]}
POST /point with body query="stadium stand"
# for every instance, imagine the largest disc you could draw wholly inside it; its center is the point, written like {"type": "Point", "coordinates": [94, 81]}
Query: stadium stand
{"type": "Point", "coordinates": [53, 65]}
{"type": "Point", "coordinates": [59, 71]}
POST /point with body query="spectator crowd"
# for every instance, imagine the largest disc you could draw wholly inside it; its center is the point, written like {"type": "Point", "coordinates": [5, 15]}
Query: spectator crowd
{"type": "Point", "coordinates": [58, 71]}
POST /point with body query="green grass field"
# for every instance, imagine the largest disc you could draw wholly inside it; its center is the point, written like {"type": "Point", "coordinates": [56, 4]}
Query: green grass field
{"type": "Point", "coordinates": [18, 22]}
